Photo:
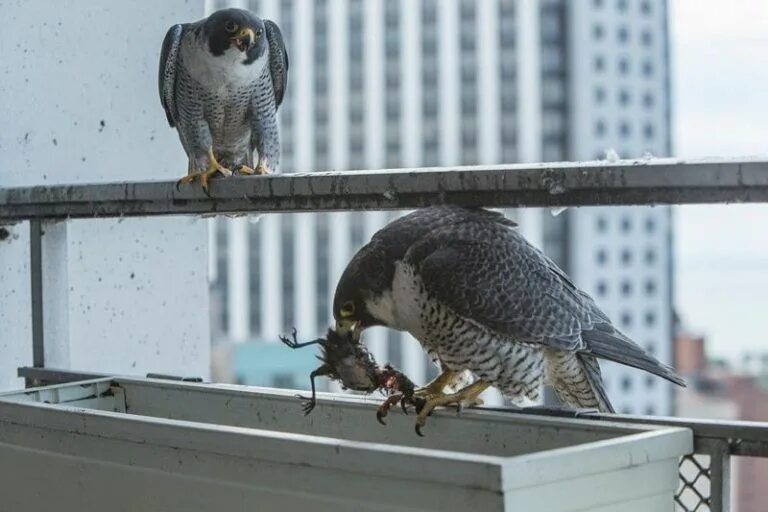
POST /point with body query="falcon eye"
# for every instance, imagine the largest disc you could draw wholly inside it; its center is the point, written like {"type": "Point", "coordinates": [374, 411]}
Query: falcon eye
{"type": "Point", "coordinates": [231, 27]}
{"type": "Point", "coordinates": [258, 32]}
{"type": "Point", "coordinates": [348, 309]}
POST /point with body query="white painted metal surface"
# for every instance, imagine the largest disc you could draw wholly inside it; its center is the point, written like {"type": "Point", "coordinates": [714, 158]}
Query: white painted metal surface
{"type": "Point", "coordinates": [200, 447]}
{"type": "Point", "coordinates": [79, 103]}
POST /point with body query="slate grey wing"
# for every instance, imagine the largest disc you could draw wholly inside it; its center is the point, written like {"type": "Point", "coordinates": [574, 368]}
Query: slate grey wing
{"type": "Point", "coordinates": [484, 274]}
{"type": "Point", "coordinates": [489, 273]}
{"type": "Point", "coordinates": [169, 59]}
{"type": "Point", "coordinates": [278, 60]}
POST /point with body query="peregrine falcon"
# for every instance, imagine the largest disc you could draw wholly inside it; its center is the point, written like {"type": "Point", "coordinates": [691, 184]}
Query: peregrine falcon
{"type": "Point", "coordinates": [479, 297]}
{"type": "Point", "coordinates": [221, 81]}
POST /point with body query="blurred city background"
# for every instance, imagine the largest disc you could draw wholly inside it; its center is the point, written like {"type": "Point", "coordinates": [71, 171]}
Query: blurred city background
{"type": "Point", "coordinates": [379, 84]}
{"type": "Point", "coordinates": [424, 83]}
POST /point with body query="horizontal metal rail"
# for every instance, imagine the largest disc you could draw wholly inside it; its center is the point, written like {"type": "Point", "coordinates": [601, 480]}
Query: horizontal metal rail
{"type": "Point", "coordinates": [599, 183]}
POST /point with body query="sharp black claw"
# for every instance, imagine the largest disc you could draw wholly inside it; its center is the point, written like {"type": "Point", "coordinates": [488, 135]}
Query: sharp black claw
{"type": "Point", "coordinates": [418, 430]}
{"type": "Point", "coordinates": [404, 406]}
{"type": "Point", "coordinates": [419, 403]}
{"type": "Point", "coordinates": [380, 418]}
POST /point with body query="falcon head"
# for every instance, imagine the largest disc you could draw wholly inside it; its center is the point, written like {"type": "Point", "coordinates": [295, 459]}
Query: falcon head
{"type": "Point", "coordinates": [237, 29]}
{"type": "Point", "coordinates": [364, 292]}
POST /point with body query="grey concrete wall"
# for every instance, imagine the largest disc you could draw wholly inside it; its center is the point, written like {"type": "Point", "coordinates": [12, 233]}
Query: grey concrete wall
{"type": "Point", "coordinates": [79, 103]}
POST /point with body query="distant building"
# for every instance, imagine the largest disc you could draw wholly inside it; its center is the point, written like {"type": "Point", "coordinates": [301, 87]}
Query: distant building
{"type": "Point", "coordinates": [716, 391]}
{"type": "Point", "coordinates": [409, 83]}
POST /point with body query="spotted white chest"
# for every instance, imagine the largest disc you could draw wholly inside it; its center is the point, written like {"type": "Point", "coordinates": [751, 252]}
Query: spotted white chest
{"type": "Point", "coordinates": [459, 343]}
{"type": "Point", "coordinates": [219, 73]}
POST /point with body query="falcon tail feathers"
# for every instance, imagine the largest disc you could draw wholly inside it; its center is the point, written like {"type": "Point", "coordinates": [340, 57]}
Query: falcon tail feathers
{"type": "Point", "coordinates": [592, 371]}
{"type": "Point", "coordinates": [614, 346]}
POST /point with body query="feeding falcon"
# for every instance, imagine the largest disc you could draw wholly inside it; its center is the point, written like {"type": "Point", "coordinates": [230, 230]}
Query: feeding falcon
{"type": "Point", "coordinates": [221, 81]}
{"type": "Point", "coordinates": [479, 297]}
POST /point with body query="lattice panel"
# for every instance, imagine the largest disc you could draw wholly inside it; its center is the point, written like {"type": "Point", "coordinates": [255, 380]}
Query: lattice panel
{"type": "Point", "coordinates": [693, 492]}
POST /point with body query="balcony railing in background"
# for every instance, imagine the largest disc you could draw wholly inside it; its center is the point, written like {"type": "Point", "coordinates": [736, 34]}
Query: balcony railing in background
{"type": "Point", "coordinates": [603, 183]}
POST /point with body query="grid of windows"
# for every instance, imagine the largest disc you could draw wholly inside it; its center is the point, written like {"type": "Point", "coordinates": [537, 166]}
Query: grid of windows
{"type": "Point", "coordinates": [321, 93]}
{"type": "Point", "coordinates": [553, 78]}
{"type": "Point", "coordinates": [222, 273]}
{"type": "Point", "coordinates": [288, 282]}
{"type": "Point", "coordinates": [468, 67]}
{"type": "Point", "coordinates": [429, 82]}
{"type": "Point", "coordinates": [286, 111]}
{"type": "Point", "coordinates": [392, 90]}
{"type": "Point", "coordinates": [322, 262]}
{"type": "Point", "coordinates": [254, 272]}
{"type": "Point", "coordinates": [507, 77]}
{"type": "Point", "coordinates": [356, 86]}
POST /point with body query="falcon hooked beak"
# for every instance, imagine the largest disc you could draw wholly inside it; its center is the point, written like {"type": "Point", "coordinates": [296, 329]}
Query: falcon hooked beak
{"type": "Point", "coordinates": [244, 39]}
{"type": "Point", "coordinates": [348, 325]}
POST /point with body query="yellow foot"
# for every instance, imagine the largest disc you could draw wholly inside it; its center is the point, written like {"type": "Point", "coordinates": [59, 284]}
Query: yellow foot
{"type": "Point", "coordinates": [437, 386]}
{"type": "Point", "coordinates": [467, 396]}
{"type": "Point", "coordinates": [214, 168]}
{"type": "Point", "coordinates": [260, 170]}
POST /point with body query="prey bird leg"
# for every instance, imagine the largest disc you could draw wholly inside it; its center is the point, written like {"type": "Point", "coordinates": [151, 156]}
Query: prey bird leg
{"type": "Point", "coordinates": [294, 344]}
{"type": "Point", "coordinates": [310, 403]}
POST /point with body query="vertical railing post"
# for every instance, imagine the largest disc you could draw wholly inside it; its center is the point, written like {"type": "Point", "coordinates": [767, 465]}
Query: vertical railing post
{"type": "Point", "coordinates": [36, 282]}
{"type": "Point", "coordinates": [720, 477]}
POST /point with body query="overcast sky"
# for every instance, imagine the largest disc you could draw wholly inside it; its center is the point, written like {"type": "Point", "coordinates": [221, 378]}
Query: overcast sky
{"type": "Point", "coordinates": [720, 88]}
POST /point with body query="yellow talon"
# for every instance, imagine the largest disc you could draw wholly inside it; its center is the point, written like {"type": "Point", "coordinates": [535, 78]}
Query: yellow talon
{"type": "Point", "coordinates": [214, 167]}
{"type": "Point", "coordinates": [468, 395]}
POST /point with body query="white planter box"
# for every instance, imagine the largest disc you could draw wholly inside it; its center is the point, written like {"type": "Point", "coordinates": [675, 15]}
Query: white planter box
{"type": "Point", "coordinates": [127, 444]}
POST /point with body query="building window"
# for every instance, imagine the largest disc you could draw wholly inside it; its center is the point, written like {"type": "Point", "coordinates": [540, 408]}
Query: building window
{"type": "Point", "coordinates": [624, 97]}
{"type": "Point", "coordinates": [648, 100]}
{"type": "Point", "coordinates": [650, 287]}
{"type": "Point", "coordinates": [650, 256]}
{"type": "Point", "coordinates": [623, 66]}
{"type": "Point", "coordinates": [650, 411]}
{"type": "Point", "coordinates": [599, 95]}
{"type": "Point", "coordinates": [626, 224]}
{"type": "Point", "coordinates": [645, 7]}
{"type": "Point", "coordinates": [650, 224]}
{"type": "Point", "coordinates": [598, 32]}
{"type": "Point", "coordinates": [646, 38]}
{"type": "Point", "coordinates": [600, 128]}
{"type": "Point", "coordinates": [650, 347]}
{"type": "Point", "coordinates": [601, 288]}
{"type": "Point", "coordinates": [602, 224]}
{"type": "Point", "coordinates": [626, 383]}
{"type": "Point", "coordinates": [597, 3]}
{"type": "Point", "coordinates": [648, 131]}
{"type": "Point", "coordinates": [602, 257]}
{"type": "Point", "coordinates": [626, 288]}
{"type": "Point", "coordinates": [647, 68]}
{"type": "Point", "coordinates": [599, 63]}
{"type": "Point", "coordinates": [624, 129]}
{"type": "Point", "coordinates": [650, 381]}
{"type": "Point", "coordinates": [626, 256]}
{"type": "Point", "coordinates": [650, 318]}
{"type": "Point", "coordinates": [621, 5]}
{"type": "Point", "coordinates": [623, 34]}
{"type": "Point", "coordinates": [626, 320]}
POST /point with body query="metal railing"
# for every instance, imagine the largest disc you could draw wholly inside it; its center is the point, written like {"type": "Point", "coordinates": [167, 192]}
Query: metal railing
{"type": "Point", "coordinates": [705, 475]}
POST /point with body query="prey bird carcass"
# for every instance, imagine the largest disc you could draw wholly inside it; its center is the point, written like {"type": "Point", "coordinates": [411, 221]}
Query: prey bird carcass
{"type": "Point", "coordinates": [346, 360]}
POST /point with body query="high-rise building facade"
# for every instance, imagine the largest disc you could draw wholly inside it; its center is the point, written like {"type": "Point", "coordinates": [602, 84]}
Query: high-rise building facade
{"type": "Point", "coordinates": [408, 83]}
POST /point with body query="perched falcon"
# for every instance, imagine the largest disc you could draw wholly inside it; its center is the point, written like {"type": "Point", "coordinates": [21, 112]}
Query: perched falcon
{"type": "Point", "coordinates": [221, 81]}
{"type": "Point", "coordinates": [479, 297]}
